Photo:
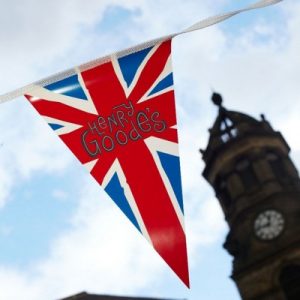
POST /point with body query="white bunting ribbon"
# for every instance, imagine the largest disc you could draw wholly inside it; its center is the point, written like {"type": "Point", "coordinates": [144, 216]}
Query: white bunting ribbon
{"type": "Point", "coordinates": [199, 25]}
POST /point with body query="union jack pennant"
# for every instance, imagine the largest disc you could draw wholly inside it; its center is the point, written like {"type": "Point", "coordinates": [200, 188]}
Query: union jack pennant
{"type": "Point", "coordinates": [118, 118]}
{"type": "Point", "coordinates": [117, 115]}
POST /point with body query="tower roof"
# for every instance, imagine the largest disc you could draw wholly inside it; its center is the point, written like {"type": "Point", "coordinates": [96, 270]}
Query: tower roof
{"type": "Point", "coordinates": [230, 126]}
{"type": "Point", "coordinates": [86, 296]}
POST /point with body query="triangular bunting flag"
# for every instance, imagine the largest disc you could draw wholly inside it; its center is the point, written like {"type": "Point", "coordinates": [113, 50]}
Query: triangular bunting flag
{"type": "Point", "coordinates": [119, 120]}
{"type": "Point", "coordinates": [117, 115]}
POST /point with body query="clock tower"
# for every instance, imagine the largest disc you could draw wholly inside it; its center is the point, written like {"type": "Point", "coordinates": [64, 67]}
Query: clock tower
{"type": "Point", "coordinates": [248, 165]}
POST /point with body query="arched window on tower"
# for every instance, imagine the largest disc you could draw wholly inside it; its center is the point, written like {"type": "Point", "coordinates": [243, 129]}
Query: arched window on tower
{"type": "Point", "coordinates": [276, 164]}
{"type": "Point", "coordinates": [246, 173]}
{"type": "Point", "coordinates": [290, 282]}
{"type": "Point", "coordinates": [228, 130]}
{"type": "Point", "coordinates": [222, 191]}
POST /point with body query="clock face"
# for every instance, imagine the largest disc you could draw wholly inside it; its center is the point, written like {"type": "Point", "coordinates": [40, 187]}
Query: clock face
{"type": "Point", "coordinates": [269, 224]}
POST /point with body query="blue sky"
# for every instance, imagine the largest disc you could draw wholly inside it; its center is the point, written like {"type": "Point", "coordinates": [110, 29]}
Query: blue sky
{"type": "Point", "coordinates": [60, 234]}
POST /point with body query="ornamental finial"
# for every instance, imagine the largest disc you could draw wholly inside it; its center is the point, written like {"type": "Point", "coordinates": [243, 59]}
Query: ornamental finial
{"type": "Point", "coordinates": [217, 99]}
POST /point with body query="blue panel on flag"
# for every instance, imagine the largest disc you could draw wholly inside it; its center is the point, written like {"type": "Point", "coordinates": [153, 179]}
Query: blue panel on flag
{"type": "Point", "coordinates": [116, 192]}
{"type": "Point", "coordinates": [171, 165]}
{"type": "Point", "coordinates": [129, 64]}
{"type": "Point", "coordinates": [163, 84]}
{"type": "Point", "coordinates": [55, 126]}
{"type": "Point", "coordinates": [69, 87]}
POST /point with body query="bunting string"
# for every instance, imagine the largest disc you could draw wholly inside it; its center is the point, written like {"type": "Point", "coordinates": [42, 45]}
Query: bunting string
{"type": "Point", "coordinates": [197, 26]}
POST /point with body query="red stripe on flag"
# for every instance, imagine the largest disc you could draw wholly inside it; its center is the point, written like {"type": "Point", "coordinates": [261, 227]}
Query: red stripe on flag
{"type": "Point", "coordinates": [151, 71]}
{"type": "Point", "coordinates": [156, 208]}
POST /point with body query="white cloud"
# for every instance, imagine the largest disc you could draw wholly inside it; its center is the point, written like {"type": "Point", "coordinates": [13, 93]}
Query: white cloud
{"type": "Point", "coordinates": [15, 285]}
{"type": "Point", "coordinates": [6, 184]}
{"type": "Point", "coordinates": [59, 194]}
{"type": "Point", "coordinates": [38, 37]}
{"type": "Point", "coordinates": [102, 248]}
{"type": "Point", "coordinates": [27, 146]}
{"type": "Point", "coordinates": [34, 34]}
